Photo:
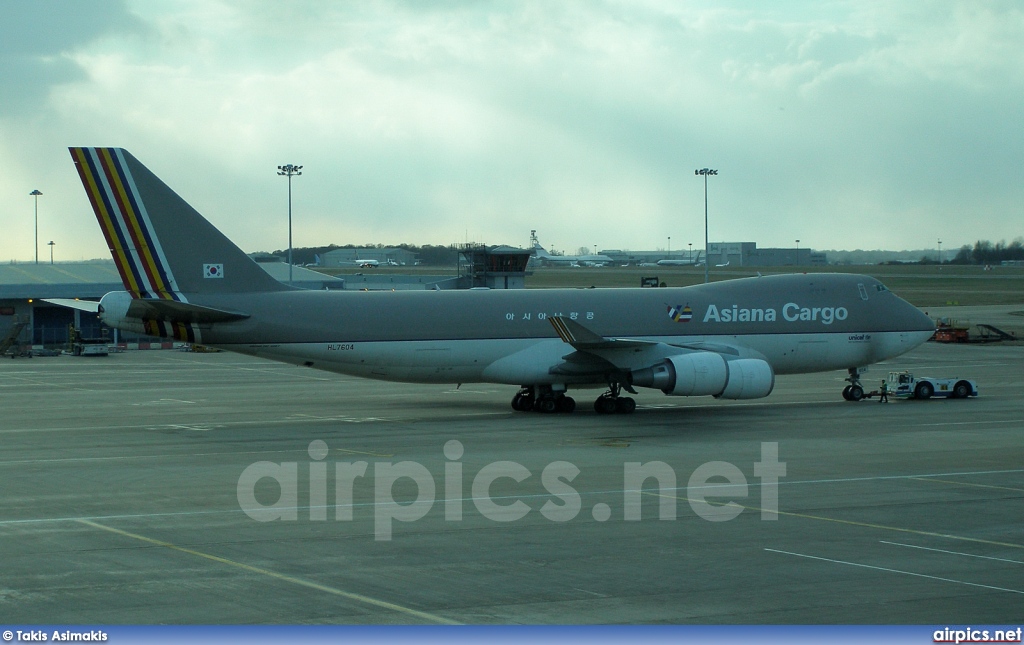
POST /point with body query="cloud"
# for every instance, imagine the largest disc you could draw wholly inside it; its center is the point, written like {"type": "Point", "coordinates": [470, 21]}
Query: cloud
{"type": "Point", "coordinates": [859, 124]}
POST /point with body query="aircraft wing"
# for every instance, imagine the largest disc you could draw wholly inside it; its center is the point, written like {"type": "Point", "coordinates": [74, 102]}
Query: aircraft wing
{"type": "Point", "coordinates": [585, 340]}
{"type": "Point", "coordinates": [600, 356]}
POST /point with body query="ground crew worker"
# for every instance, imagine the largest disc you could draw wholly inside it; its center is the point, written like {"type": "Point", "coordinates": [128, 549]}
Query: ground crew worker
{"type": "Point", "coordinates": [883, 393]}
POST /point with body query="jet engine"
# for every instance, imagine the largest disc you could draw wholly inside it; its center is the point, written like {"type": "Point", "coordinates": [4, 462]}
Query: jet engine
{"type": "Point", "coordinates": [113, 311]}
{"type": "Point", "coordinates": [708, 373]}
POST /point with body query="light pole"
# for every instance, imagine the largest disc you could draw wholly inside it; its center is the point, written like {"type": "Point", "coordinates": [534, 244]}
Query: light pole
{"type": "Point", "coordinates": [940, 252]}
{"type": "Point", "coordinates": [670, 247]}
{"type": "Point", "coordinates": [689, 255]}
{"type": "Point", "coordinates": [289, 171]}
{"type": "Point", "coordinates": [798, 252]}
{"type": "Point", "coordinates": [51, 243]}
{"type": "Point", "coordinates": [705, 172]}
{"type": "Point", "coordinates": [36, 194]}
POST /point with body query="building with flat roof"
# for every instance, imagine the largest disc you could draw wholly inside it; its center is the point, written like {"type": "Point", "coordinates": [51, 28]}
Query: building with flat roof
{"type": "Point", "coordinates": [493, 267]}
{"type": "Point", "coordinates": [24, 286]}
{"type": "Point", "coordinates": [746, 254]}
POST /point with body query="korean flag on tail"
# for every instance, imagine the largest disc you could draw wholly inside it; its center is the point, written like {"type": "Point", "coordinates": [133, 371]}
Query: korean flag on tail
{"type": "Point", "coordinates": [213, 270]}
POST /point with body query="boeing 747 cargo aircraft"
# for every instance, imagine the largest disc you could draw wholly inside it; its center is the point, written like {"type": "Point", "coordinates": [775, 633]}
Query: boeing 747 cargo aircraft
{"type": "Point", "coordinates": [185, 280]}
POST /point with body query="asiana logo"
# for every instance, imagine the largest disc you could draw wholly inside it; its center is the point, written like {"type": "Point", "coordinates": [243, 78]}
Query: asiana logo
{"type": "Point", "coordinates": [679, 313]}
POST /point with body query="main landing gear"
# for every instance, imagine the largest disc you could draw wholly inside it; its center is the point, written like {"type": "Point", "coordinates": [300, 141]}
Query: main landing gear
{"type": "Point", "coordinates": [542, 399]}
{"type": "Point", "coordinates": [611, 403]}
{"type": "Point", "coordinates": [854, 391]}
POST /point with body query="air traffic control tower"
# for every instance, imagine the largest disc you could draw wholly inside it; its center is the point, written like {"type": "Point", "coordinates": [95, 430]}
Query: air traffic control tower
{"type": "Point", "coordinates": [494, 267]}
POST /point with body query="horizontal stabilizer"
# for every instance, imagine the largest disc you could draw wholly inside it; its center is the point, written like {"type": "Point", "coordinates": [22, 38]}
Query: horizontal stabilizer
{"type": "Point", "coordinates": [180, 312]}
{"type": "Point", "coordinates": [74, 303]}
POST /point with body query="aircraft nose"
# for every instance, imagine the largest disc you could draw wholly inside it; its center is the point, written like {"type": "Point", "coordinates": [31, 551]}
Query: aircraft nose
{"type": "Point", "coordinates": [912, 328]}
{"type": "Point", "coordinates": [921, 322]}
{"type": "Point", "coordinates": [915, 328]}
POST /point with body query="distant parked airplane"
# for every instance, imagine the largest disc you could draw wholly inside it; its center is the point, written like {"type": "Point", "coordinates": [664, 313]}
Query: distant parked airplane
{"type": "Point", "coordinates": [541, 254]}
{"type": "Point", "coordinates": [681, 262]}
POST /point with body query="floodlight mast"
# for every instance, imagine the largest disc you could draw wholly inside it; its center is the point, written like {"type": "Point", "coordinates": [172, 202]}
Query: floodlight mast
{"type": "Point", "coordinates": [705, 172]}
{"type": "Point", "coordinates": [36, 194]}
{"type": "Point", "coordinates": [289, 171]}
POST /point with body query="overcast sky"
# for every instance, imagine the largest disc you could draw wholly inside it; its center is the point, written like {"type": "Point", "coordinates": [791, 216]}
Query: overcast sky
{"type": "Point", "coordinates": [842, 124]}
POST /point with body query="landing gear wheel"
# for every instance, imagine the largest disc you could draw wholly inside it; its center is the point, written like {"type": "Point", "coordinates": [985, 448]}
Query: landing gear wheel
{"type": "Point", "coordinates": [522, 402]}
{"type": "Point", "coordinates": [625, 405]}
{"type": "Point", "coordinates": [854, 391]}
{"type": "Point", "coordinates": [566, 404]}
{"type": "Point", "coordinates": [547, 404]}
{"type": "Point", "coordinates": [605, 405]}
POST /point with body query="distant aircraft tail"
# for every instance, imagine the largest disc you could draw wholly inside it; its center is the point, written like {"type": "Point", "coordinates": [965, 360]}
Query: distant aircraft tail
{"type": "Point", "coordinates": [162, 247]}
{"type": "Point", "coordinates": [539, 251]}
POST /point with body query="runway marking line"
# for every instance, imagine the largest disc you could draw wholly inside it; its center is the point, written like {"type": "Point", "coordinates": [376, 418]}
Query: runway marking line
{"type": "Point", "coordinates": [4, 522]}
{"type": "Point", "coordinates": [422, 615]}
{"type": "Point", "coordinates": [947, 481]}
{"type": "Point", "coordinates": [849, 522]}
{"type": "Point", "coordinates": [962, 423]}
{"type": "Point", "coordinates": [969, 555]}
{"type": "Point", "coordinates": [255, 422]}
{"type": "Point", "coordinates": [906, 573]}
{"type": "Point", "coordinates": [51, 384]}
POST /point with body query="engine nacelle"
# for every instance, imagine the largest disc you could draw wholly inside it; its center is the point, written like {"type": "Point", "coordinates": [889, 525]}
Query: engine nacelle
{"type": "Point", "coordinates": [749, 378]}
{"type": "Point", "coordinates": [708, 374]}
{"type": "Point", "coordinates": [114, 312]}
{"type": "Point", "coordinates": [696, 374]}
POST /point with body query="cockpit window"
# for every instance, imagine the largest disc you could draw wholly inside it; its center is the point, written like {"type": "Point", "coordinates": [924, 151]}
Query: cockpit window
{"type": "Point", "coordinates": [863, 292]}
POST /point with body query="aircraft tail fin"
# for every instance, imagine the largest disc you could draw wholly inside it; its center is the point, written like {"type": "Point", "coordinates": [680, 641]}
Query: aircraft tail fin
{"type": "Point", "coordinates": [162, 247]}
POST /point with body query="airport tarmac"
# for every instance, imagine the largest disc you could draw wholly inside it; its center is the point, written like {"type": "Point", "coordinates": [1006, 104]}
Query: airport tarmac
{"type": "Point", "coordinates": [120, 483]}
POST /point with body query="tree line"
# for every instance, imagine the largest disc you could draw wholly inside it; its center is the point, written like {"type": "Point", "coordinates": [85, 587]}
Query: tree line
{"type": "Point", "coordinates": [985, 252]}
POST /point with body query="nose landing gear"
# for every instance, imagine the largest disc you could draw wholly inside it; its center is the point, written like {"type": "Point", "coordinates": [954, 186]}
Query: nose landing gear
{"type": "Point", "coordinates": [854, 391]}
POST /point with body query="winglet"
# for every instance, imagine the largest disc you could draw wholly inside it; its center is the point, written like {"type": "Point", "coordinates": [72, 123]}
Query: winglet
{"type": "Point", "coordinates": [574, 333]}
